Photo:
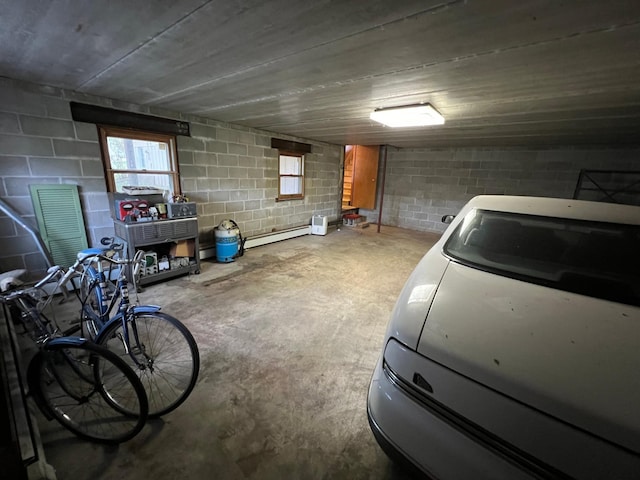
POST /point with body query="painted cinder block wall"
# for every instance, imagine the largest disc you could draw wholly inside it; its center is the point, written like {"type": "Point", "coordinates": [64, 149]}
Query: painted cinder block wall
{"type": "Point", "coordinates": [422, 185]}
{"type": "Point", "coordinates": [229, 170]}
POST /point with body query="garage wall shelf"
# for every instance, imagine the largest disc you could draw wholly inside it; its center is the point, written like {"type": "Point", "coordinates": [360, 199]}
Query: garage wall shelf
{"type": "Point", "coordinates": [160, 236]}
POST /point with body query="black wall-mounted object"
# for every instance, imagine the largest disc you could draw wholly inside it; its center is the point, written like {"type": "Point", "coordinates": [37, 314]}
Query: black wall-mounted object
{"type": "Point", "coordinates": [82, 112]}
{"type": "Point", "coordinates": [290, 146]}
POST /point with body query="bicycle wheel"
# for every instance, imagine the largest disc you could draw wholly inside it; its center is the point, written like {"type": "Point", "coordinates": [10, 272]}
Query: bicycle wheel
{"type": "Point", "coordinates": [166, 357]}
{"type": "Point", "coordinates": [88, 390]}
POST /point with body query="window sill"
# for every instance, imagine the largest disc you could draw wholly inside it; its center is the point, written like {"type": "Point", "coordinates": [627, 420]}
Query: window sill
{"type": "Point", "coordinates": [285, 199]}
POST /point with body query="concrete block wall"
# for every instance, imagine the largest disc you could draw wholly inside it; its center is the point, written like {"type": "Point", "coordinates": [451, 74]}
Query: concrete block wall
{"type": "Point", "coordinates": [230, 171]}
{"type": "Point", "coordinates": [422, 185]}
{"type": "Point", "coordinates": [233, 173]}
{"type": "Point", "coordinates": [40, 144]}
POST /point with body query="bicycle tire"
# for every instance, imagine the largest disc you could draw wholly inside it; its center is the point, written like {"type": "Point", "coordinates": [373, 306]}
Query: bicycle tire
{"type": "Point", "coordinates": [167, 357]}
{"type": "Point", "coordinates": [89, 390]}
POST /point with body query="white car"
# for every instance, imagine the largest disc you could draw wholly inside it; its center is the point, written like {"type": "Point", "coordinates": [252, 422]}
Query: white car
{"type": "Point", "coordinates": [513, 350]}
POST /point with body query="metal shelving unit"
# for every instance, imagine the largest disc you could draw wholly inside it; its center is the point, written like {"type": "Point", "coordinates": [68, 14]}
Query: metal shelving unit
{"type": "Point", "coordinates": [158, 236]}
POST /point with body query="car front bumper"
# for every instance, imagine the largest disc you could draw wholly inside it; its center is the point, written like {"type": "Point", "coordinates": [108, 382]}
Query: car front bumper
{"type": "Point", "coordinates": [451, 426]}
{"type": "Point", "coordinates": [406, 430]}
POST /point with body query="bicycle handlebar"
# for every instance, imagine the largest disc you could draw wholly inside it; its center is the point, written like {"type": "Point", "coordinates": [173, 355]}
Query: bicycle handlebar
{"type": "Point", "coordinates": [114, 261]}
{"type": "Point", "coordinates": [135, 262]}
{"type": "Point", "coordinates": [52, 272]}
{"type": "Point", "coordinates": [66, 275]}
{"type": "Point", "coordinates": [10, 296]}
{"type": "Point", "coordinates": [56, 270]}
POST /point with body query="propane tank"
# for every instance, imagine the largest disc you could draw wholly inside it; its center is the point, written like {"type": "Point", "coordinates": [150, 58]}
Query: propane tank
{"type": "Point", "coordinates": [226, 234]}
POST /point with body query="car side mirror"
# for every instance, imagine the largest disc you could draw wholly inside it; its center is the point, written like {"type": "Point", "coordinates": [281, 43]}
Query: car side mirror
{"type": "Point", "coordinates": [448, 218]}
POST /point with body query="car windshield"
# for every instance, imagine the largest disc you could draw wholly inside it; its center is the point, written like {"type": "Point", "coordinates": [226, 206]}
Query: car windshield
{"type": "Point", "coordinates": [590, 258]}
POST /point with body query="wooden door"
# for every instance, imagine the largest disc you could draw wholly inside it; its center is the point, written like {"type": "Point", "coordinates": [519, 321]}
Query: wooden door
{"type": "Point", "coordinates": [365, 176]}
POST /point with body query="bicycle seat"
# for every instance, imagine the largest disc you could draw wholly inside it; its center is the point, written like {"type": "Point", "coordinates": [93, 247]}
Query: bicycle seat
{"type": "Point", "coordinates": [10, 279]}
{"type": "Point", "coordinates": [92, 251]}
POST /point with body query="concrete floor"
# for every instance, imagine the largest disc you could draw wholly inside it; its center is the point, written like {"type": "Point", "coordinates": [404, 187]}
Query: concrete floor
{"type": "Point", "coordinates": [288, 335]}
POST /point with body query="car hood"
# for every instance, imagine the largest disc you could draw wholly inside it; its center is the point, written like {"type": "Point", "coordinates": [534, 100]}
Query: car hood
{"type": "Point", "coordinates": [573, 357]}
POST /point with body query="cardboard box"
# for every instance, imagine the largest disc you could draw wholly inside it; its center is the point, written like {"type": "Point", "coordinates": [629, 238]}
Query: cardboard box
{"type": "Point", "coordinates": [183, 248]}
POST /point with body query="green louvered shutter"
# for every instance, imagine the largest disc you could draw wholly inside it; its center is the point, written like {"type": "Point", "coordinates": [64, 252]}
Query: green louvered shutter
{"type": "Point", "coordinates": [60, 221]}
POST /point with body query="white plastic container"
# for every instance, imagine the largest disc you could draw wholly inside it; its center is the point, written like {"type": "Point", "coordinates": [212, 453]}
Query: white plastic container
{"type": "Point", "coordinates": [319, 225]}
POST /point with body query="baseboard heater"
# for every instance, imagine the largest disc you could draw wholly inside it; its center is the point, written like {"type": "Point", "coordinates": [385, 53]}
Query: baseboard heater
{"type": "Point", "coordinates": [264, 239]}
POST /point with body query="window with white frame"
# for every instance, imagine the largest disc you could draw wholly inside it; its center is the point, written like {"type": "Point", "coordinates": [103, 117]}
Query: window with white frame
{"type": "Point", "coordinates": [290, 176]}
{"type": "Point", "coordinates": [139, 159]}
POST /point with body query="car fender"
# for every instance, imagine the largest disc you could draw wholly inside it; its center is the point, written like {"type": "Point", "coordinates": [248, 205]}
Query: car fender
{"type": "Point", "coordinates": [414, 302]}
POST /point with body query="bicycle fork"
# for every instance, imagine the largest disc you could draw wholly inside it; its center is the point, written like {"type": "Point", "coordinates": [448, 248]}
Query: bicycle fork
{"type": "Point", "coordinates": [135, 349]}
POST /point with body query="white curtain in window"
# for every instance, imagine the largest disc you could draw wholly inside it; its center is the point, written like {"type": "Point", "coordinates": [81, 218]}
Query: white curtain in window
{"type": "Point", "coordinates": [290, 165]}
{"type": "Point", "coordinates": [290, 185]}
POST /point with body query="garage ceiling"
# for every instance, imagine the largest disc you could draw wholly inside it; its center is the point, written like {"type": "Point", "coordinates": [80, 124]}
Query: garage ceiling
{"type": "Point", "coordinates": [502, 72]}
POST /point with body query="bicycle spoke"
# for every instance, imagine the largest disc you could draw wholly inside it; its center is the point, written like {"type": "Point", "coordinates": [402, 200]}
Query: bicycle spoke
{"type": "Point", "coordinates": [166, 357]}
{"type": "Point", "coordinates": [112, 407]}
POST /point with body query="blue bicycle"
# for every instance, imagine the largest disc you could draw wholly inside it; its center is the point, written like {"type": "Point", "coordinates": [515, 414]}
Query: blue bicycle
{"type": "Point", "coordinates": [87, 388]}
{"type": "Point", "coordinates": [158, 347]}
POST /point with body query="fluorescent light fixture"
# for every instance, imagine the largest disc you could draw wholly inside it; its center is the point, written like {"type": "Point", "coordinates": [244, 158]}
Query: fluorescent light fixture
{"type": "Point", "coordinates": [408, 116]}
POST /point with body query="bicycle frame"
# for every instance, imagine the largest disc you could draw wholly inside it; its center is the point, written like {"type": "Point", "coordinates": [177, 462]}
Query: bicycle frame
{"type": "Point", "coordinates": [98, 285]}
{"type": "Point", "coordinates": [87, 388]}
{"type": "Point", "coordinates": [159, 348]}
{"type": "Point", "coordinates": [126, 313]}
{"type": "Point", "coordinates": [30, 307]}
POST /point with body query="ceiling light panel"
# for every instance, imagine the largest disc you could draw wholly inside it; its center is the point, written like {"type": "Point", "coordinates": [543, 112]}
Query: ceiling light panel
{"type": "Point", "coordinates": [409, 116]}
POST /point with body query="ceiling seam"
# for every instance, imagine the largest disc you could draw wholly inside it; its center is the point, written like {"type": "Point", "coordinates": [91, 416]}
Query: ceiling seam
{"type": "Point", "coordinates": [393, 72]}
{"type": "Point", "coordinates": [430, 10]}
{"type": "Point", "coordinates": [144, 44]}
